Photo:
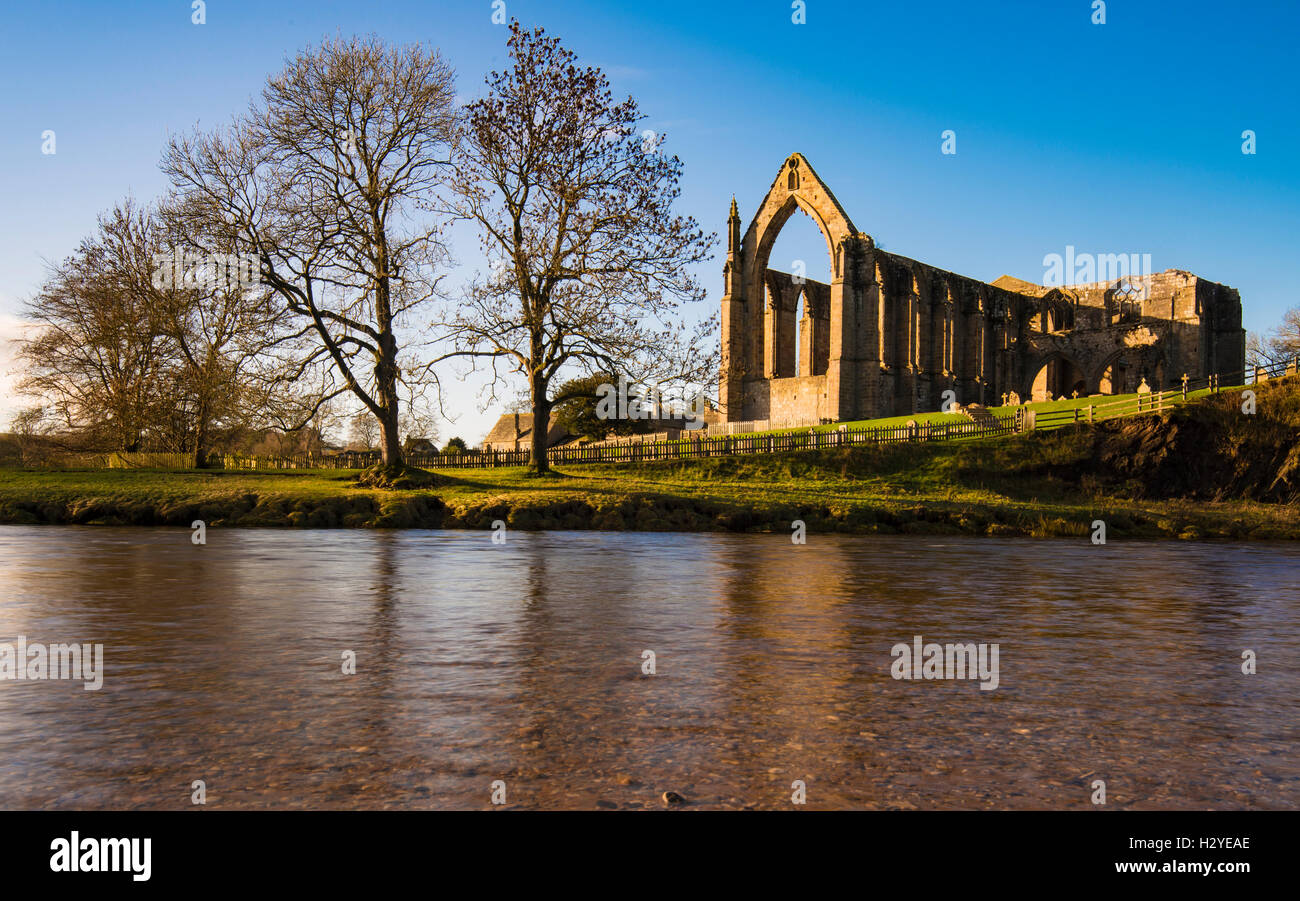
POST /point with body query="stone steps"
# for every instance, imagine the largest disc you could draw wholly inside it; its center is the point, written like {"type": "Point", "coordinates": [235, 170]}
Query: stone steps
{"type": "Point", "coordinates": [980, 414]}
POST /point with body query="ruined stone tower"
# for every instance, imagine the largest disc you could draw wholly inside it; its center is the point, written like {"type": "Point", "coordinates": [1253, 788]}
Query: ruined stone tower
{"type": "Point", "coordinates": [889, 335]}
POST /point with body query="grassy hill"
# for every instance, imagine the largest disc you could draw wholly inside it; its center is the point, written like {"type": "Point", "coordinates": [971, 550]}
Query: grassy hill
{"type": "Point", "coordinates": [1113, 401]}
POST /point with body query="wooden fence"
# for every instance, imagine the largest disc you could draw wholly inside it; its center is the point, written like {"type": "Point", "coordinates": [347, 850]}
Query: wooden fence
{"type": "Point", "coordinates": [1158, 401]}
{"type": "Point", "coordinates": [696, 446]}
{"type": "Point", "coordinates": [693, 448]}
{"type": "Point", "coordinates": [689, 448]}
{"type": "Point", "coordinates": [122, 460]}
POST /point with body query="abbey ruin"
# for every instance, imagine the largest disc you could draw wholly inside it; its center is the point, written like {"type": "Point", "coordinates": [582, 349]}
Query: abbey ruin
{"type": "Point", "coordinates": [889, 335]}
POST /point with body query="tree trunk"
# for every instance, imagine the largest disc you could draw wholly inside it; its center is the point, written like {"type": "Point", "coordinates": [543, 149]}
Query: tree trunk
{"type": "Point", "coordinates": [390, 442]}
{"type": "Point", "coordinates": [386, 395]}
{"type": "Point", "coordinates": [201, 436]}
{"type": "Point", "coordinates": [199, 449]}
{"type": "Point", "coordinates": [538, 461]}
{"type": "Point", "coordinates": [386, 370]}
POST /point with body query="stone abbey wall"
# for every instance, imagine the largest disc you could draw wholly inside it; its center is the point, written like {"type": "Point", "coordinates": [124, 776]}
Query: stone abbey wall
{"type": "Point", "coordinates": [889, 335]}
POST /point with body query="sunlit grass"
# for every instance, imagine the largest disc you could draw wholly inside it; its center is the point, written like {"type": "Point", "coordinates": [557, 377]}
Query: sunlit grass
{"type": "Point", "coordinates": [991, 486]}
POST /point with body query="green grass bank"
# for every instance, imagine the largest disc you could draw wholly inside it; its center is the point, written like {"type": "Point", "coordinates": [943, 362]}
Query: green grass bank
{"type": "Point", "coordinates": [1201, 471]}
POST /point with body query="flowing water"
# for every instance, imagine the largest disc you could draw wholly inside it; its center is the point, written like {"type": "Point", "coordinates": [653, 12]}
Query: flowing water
{"type": "Point", "coordinates": [523, 662]}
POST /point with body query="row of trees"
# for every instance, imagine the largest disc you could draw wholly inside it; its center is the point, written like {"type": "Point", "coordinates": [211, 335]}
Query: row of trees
{"type": "Point", "coordinates": [341, 183]}
{"type": "Point", "coordinates": [125, 361]}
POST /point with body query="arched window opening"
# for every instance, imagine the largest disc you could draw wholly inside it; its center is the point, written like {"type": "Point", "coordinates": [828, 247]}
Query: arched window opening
{"type": "Point", "coordinates": [801, 265]}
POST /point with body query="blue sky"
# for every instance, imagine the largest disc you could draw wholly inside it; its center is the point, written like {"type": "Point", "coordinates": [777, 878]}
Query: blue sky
{"type": "Point", "coordinates": [1115, 138]}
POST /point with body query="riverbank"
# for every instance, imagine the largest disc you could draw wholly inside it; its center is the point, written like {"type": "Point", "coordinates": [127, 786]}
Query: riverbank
{"type": "Point", "coordinates": [767, 497]}
{"type": "Point", "coordinates": [753, 495]}
{"type": "Point", "coordinates": [1206, 470]}
{"type": "Point", "coordinates": [984, 488]}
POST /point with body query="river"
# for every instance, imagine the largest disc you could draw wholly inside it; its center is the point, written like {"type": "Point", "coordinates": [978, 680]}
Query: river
{"type": "Point", "coordinates": [522, 664]}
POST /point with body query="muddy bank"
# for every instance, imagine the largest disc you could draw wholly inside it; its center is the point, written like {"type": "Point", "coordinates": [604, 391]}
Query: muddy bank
{"type": "Point", "coordinates": [651, 513]}
{"type": "Point", "coordinates": [1208, 450]}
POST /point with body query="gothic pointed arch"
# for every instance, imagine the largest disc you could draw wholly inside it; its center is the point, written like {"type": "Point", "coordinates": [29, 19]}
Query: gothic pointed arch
{"type": "Point", "coordinates": [797, 187]}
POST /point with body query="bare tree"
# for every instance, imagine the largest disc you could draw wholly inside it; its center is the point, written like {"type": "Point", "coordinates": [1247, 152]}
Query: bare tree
{"type": "Point", "coordinates": [97, 354]}
{"type": "Point", "coordinates": [1282, 343]}
{"type": "Point", "coordinates": [364, 430]}
{"type": "Point", "coordinates": [231, 351]}
{"type": "Point", "coordinates": [324, 179]}
{"type": "Point", "coordinates": [574, 206]}
{"type": "Point", "coordinates": [137, 345]}
{"type": "Point", "coordinates": [418, 422]}
{"type": "Point", "coordinates": [29, 426]}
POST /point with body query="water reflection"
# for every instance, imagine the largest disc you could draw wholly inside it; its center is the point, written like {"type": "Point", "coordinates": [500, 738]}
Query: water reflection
{"type": "Point", "coordinates": [523, 662]}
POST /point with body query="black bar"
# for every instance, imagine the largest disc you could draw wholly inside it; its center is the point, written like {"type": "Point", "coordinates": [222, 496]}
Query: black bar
{"type": "Point", "coordinates": [662, 852]}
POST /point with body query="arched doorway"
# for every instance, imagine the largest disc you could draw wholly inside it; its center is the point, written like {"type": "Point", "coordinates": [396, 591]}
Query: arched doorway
{"type": "Point", "coordinates": [1115, 377]}
{"type": "Point", "coordinates": [1058, 377]}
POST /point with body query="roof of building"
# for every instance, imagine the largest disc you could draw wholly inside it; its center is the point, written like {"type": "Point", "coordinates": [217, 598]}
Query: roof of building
{"type": "Point", "coordinates": [518, 427]}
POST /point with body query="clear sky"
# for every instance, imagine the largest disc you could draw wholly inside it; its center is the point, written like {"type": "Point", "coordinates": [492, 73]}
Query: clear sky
{"type": "Point", "coordinates": [1117, 138]}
